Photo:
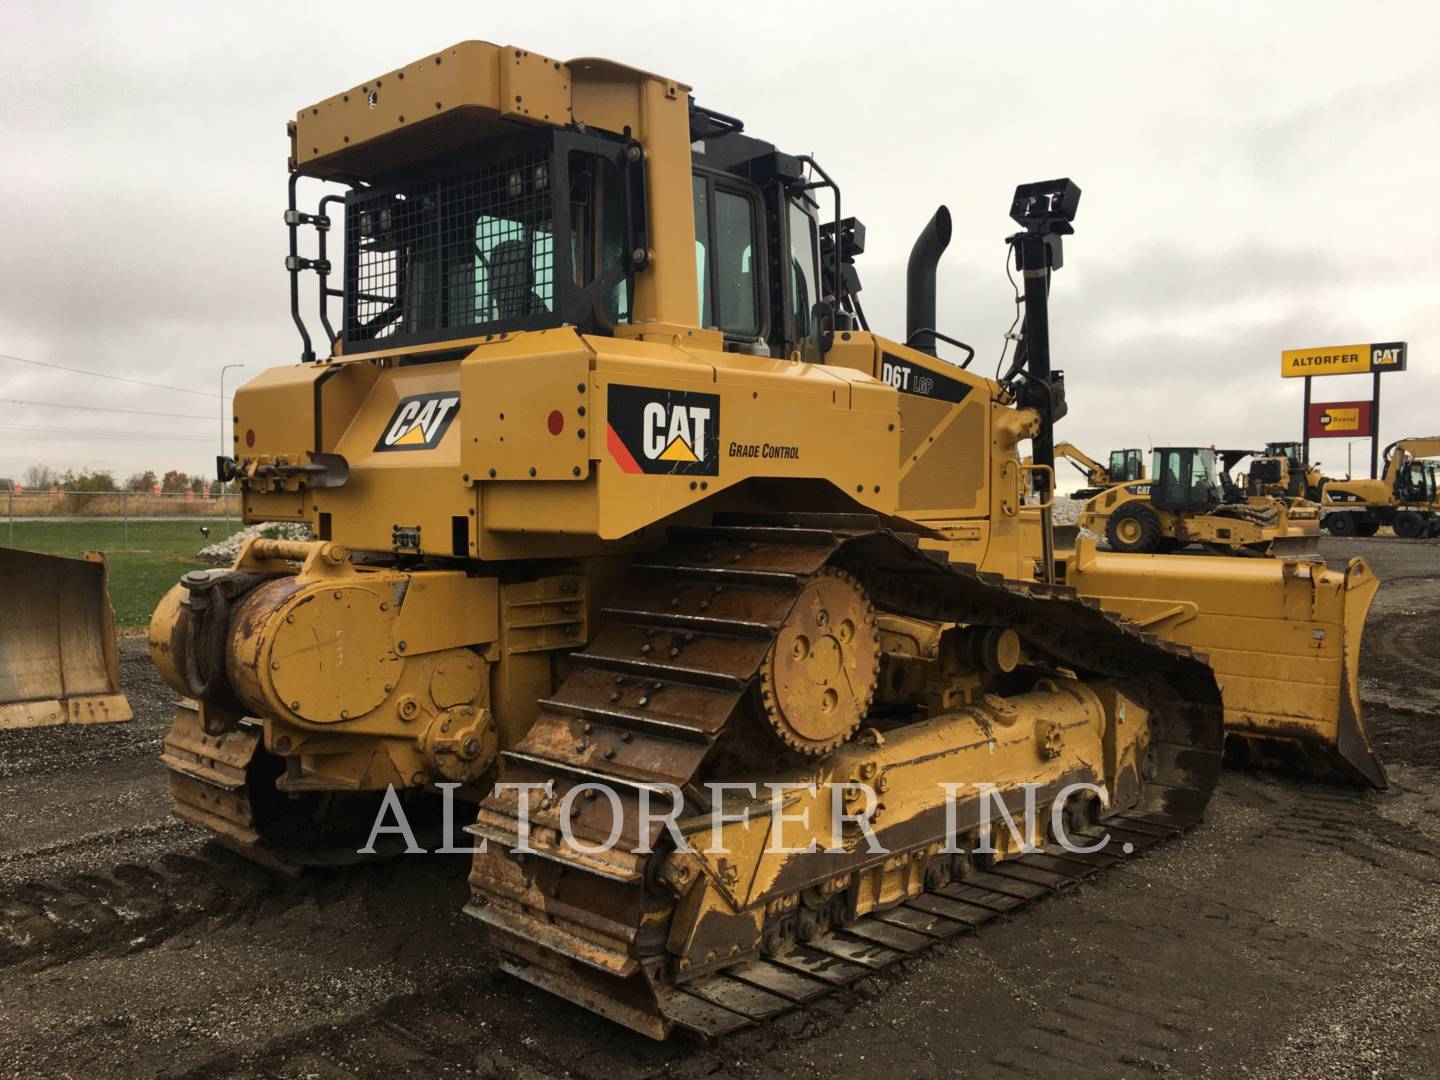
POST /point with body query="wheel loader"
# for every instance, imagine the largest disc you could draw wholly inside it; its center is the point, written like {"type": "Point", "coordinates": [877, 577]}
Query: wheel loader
{"type": "Point", "coordinates": [1404, 497]}
{"type": "Point", "coordinates": [1433, 468]}
{"type": "Point", "coordinates": [633, 537]}
{"type": "Point", "coordinates": [1192, 498]}
{"type": "Point", "coordinates": [1294, 477]}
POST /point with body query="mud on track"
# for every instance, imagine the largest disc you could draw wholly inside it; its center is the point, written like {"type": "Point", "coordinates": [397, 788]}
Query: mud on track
{"type": "Point", "coordinates": [1297, 933]}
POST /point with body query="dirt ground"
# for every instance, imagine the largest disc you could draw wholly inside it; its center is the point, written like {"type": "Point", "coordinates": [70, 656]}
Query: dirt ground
{"type": "Point", "coordinates": [1295, 934]}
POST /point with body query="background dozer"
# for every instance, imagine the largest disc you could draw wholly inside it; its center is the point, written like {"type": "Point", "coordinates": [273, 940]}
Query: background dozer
{"type": "Point", "coordinates": [1192, 498]}
{"type": "Point", "coordinates": [618, 496]}
{"type": "Point", "coordinates": [1404, 497]}
{"type": "Point", "coordinates": [58, 657]}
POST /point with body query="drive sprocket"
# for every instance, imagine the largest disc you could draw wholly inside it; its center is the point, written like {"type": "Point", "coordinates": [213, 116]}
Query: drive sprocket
{"type": "Point", "coordinates": [820, 675]}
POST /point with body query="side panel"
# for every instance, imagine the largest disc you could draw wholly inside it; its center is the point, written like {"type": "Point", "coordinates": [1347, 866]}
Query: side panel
{"type": "Point", "coordinates": [554, 442]}
{"type": "Point", "coordinates": [945, 427]}
{"type": "Point", "coordinates": [527, 415]}
{"type": "Point", "coordinates": [403, 449]}
{"type": "Point", "coordinates": [672, 426]}
{"type": "Point", "coordinates": [959, 464]}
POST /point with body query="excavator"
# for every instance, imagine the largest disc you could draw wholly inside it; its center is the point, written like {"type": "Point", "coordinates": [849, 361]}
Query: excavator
{"type": "Point", "coordinates": [1125, 466]}
{"type": "Point", "coordinates": [635, 539]}
{"type": "Point", "coordinates": [1403, 498]}
{"type": "Point", "coordinates": [1193, 498]}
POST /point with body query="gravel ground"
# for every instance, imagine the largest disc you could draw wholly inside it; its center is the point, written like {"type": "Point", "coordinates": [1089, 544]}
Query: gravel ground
{"type": "Point", "coordinates": [1295, 934]}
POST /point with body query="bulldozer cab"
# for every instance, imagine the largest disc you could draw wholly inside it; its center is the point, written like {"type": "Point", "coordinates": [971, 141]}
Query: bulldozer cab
{"type": "Point", "coordinates": [553, 227]}
{"type": "Point", "coordinates": [1185, 478]}
{"type": "Point", "coordinates": [1125, 466]}
{"type": "Point", "coordinates": [535, 235]}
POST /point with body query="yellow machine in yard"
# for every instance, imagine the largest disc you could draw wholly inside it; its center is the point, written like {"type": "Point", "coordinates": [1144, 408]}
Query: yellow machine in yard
{"type": "Point", "coordinates": [1286, 473]}
{"type": "Point", "coordinates": [1404, 497]}
{"type": "Point", "coordinates": [620, 501]}
{"type": "Point", "coordinates": [58, 659]}
{"type": "Point", "coordinates": [1191, 498]}
{"type": "Point", "coordinates": [1125, 466]}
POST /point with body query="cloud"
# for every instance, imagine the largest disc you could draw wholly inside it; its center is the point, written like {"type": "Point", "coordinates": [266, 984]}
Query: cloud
{"type": "Point", "coordinates": [1241, 196]}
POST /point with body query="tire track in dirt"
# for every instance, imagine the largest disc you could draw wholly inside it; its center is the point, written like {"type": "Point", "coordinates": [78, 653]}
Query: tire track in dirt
{"type": "Point", "coordinates": [131, 906]}
{"type": "Point", "coordinates": [1163, 962]}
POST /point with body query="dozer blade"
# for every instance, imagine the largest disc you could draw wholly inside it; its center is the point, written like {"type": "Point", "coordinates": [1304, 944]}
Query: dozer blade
{"type": "Point", "coordinates": [1283, 637]}
{"type": "Point", "coordinates": [58, 659]}
{"type": "Point", "coordinates": [1297, 544]}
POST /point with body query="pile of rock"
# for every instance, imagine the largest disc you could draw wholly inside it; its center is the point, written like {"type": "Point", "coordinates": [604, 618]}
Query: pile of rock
{"type": "Point", "coordinates": [223, 553]}
{"type": "Point", "coordinates": [1065, 511]}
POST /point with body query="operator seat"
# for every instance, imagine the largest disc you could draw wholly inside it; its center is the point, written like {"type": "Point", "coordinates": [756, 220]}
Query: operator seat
{"type": "Point", "coordinates": [512, 280]}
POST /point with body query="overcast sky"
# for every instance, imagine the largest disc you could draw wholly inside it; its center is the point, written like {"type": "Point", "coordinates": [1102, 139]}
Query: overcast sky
{"type": "Point", "coordinates": [1256, 177]}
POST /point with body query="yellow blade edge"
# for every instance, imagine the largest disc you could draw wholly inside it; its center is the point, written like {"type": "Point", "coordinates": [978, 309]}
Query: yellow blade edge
{"type": "Point", "coordinates": [58, 658]}
{"type": "Point", "coordinates": [1283, 636]}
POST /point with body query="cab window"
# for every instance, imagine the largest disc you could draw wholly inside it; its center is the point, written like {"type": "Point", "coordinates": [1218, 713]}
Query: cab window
{"type": "Point", "coordinates": [804, 259]}
{"type": "Point", "coordinates": [727, 271]}
{"type": "Point", "coordinates": [702, 248]}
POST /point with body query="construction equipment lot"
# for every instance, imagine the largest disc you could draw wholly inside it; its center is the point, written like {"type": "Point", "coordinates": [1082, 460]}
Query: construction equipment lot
{"type": "Point", "coordinates": [131, 946]}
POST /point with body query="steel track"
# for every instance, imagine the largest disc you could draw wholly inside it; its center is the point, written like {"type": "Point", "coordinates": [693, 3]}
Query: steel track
{"type": "Point", "coordinates": [666, 678]}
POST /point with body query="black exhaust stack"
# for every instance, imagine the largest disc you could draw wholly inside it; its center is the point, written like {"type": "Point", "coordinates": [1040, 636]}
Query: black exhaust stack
{"type": "Point", "coordinates": [920, 281]}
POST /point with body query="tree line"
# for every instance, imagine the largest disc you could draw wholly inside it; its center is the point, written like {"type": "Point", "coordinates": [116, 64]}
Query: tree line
{"type": "Point", "coordinates": [172, 482]}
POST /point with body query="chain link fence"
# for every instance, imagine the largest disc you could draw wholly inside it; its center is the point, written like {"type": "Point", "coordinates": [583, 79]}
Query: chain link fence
{"type": "Point", "coordinates": [121, 508]}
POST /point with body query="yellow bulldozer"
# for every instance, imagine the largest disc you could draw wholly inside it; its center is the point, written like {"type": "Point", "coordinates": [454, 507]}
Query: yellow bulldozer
{"type": "Point", "coordinates": [1192, 498]}
{"type": "Point", "coordinates": [58, 658]}
{"type": "Point", "coordinates": [637, 540]}
{"type": "Point", "coordinates": [1404, 497]}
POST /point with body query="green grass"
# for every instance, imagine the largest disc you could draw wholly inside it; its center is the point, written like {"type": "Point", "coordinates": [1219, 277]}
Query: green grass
{"type": "Point", "coordinates": [141, 571]}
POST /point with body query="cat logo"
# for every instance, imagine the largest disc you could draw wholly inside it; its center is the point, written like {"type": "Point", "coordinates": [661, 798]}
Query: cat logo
{"type": "Point", "coordinates": [420, 421]}
{"type": "Point", "coordinates": [1341, 419]}
{"type": "Point", "coordinates": [1389, 356]}
{"type": "Point", "coordinates": [653, 430]}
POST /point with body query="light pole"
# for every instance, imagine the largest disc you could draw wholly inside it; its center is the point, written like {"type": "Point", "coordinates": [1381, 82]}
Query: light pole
{"type": "Point", "coordinates": [1350, 457]}
{"type": "Point", "coordinates": [225, 448]}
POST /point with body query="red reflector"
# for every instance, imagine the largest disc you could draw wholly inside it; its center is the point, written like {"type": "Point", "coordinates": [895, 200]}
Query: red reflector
{"type": "Point", "coordinates": [250, 436]}
{"type": "Point", "coordinates": [556, 422]}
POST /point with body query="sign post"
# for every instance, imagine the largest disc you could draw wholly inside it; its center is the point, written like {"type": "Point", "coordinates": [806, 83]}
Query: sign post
{"type": "Point", "coordinates": [1344, 419]}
